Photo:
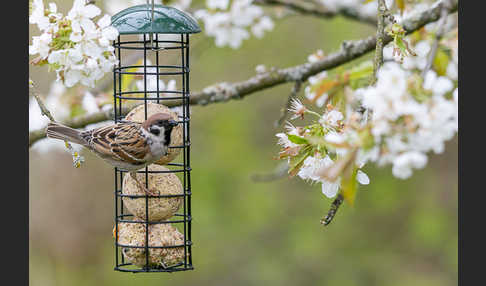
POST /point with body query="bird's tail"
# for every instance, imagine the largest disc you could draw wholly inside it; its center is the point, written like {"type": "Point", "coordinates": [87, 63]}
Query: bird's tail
{"type": "Point", "coordinates": [59, 131]}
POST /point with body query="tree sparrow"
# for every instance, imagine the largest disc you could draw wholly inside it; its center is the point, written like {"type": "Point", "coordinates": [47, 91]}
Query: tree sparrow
{"type": "Point", "coordinates": [126, 145]}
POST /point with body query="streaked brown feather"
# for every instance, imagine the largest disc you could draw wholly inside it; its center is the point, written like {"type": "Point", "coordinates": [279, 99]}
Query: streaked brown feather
{"type": "Point", "coordinates": [122, 142]}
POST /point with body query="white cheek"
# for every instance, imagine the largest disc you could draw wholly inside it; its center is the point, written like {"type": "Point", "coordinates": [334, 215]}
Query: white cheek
{"type": "Point", "coordinates": [157, 146]}
{"type": "Point", "coordinates": [161, 134]}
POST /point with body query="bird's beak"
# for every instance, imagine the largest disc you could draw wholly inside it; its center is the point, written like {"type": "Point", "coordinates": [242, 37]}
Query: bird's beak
{"type": "Point", "coordinates": [173, 123]}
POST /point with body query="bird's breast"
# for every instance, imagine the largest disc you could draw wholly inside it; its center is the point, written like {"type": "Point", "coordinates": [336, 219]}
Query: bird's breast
{"type": "Point", "coordinates": [158, 149]}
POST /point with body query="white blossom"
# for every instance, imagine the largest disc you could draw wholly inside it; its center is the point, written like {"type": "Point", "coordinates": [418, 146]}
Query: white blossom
{"type": "Point", "coordinates": [313, 165]}
{"type": "Point", "coordinates": [331, 118]}
{"type": "Point", "coordinates": [40, 45]}
{"type": "Point", "coordinates": [438, 84]}
{"type": "Point", "coordinates": [89, 103]}
{"type": "Point", "coordinates": [38, 16]}
{"type": "Point", "coordinates": [260, 69]}
{"type": "Point", "coordinates": [311, 95]}
{"type": "Point", "coordinates": [419, 61]}
{"type": "Point", "coordinates": [217, 4]}
{"type": "Point", "coordinates": [318, 55]}
{"type": "Point", "coordinates": [264, 24]}
{"type": "Point", "coordinates": [362, 178]}
{"type": "Point", "coordinates": [283, 139]}
{"type": "Point", "coordinates": [409, 128]}
{"type": "Point", "coordinates": [404, 163]}
{"type": "Point", "coordinates": [88, 55]}
{"type": "Point", "coordinates": [297, 108]}
{"type": "Point", "coordinates": [81, 11]}
{"type": "Point", "coordinates": [151, 85]}
{"type": "Point", "coordinates": [334, 137]}
{"type": "Point", "coordinates": [229, 26]}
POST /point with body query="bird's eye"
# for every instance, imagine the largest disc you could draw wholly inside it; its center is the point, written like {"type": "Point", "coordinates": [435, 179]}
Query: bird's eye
{"type": "Point", "coordinates": [154, 130]}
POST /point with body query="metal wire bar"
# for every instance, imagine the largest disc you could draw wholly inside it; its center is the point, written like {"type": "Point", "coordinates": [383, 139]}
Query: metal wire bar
{"type": "Point", "coordinates": [125, 47]}
{"type": "Point", "coordinates": [184, 155]}
{"type": "Point", "coordinates": [188, 148]}
{"type": "Point", "coordinates": [147, 253]}
{"type": "Point", "coordinates": [148, 98]}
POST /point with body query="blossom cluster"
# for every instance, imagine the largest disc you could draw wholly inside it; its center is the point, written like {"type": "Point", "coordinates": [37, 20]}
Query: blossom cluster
{"type": "Point", "coordinates": [76, 47]}
{"type": "Point", "coordinates": [406, 114]}
{"type": "Point", "coordinates": [229, 23]}
{"type": "Point", "coordinates": [409, 120]}
{"type": "Point", "coordinates": [333, 137]}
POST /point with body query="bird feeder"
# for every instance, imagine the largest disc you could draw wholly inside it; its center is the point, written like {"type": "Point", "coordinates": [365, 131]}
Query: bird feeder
{"type": "Point", "coordinates": [147, 240]}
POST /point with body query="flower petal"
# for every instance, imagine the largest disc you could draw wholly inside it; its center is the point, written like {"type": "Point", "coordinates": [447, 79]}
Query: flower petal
{"type": "Point", "coordinates": [330, 189]}
{"type": "Point", "coordinates": [362, 178]}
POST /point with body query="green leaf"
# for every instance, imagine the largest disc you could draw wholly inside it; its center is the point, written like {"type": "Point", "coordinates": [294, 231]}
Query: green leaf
{"type": "Point", "coordinates": [401, 5]}
{"type": "Point", "coordinates": [77, 110]}
{"type": "Point", "coordinates": [53, 66]}
{"type": "Point", "coordinates": [349, 185]}
{"type": "Point", "coordinates": [399, 43]}
{"type": "Point", "coordinates": [362, 70]}
{"type": "Point", "coordinates": [338, 100]}
{"type": "Point", "coordinates": [403, 46]}
{"type": "Point", "coordinates": [441, 61]}
{"type": "Point", "coordinates": [367, 139]}
{"type": "Point", "coordinates": [296, 162]}
{"type": "Point", "coordinates": [296, 139]}
{"type": "Point", "coordinates": [320, 142]}
{"type": "Point", "coordinates": [326, 85]}
{"type": "Point", "coordinates": [340, 167]}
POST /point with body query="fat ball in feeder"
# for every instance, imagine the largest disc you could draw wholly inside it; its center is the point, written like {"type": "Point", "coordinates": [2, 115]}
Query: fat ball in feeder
{"type": "Point", "coordinates": [166, 244]}
{"type": "Point", "coordinates": [159, 208]}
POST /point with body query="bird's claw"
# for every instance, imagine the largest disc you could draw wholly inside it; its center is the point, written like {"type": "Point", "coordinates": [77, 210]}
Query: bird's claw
{"type": "Point", "coordinates": [149, 192]}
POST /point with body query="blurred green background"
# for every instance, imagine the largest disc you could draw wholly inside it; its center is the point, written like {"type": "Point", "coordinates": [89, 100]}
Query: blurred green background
{"type": "Point", "coordinates": [248, 233]}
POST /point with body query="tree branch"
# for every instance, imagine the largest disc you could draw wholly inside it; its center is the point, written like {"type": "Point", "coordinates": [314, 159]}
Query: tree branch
{"type": "Point", "coordinates": [223, 92]}
{"type": "Point", "coordinates": [285, 109]}
{"type": "Point", "coordinates": [318, 9]}
{"type": "Point", "coordinates": [80, 122]}
{"type": "Point", "coordinates": [279, 173]}
{"type": "Point", "coordinates": [438, 36]}
{"type": "Point", "coordinates": [42, 106]}
{"type": "Point", "coordinates": [380, 34]}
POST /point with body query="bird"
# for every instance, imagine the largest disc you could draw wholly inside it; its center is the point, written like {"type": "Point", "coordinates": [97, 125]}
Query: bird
{"type": "Point", "coordinates": [127, 145]}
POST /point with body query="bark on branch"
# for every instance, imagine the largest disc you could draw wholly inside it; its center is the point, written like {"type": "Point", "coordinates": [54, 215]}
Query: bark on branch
{"type": "Point", "coordinates": [380, 34]}
{"type": "Point", "coordinates": [318, 9]}
{"type": "Point", "coordinates": [223, 92]}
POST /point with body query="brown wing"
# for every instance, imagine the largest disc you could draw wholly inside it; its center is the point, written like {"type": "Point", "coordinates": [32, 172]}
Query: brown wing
{"type": "Point", "coordinates": [121, 142]}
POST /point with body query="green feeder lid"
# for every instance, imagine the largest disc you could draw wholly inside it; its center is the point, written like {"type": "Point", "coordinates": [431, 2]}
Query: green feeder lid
{"type": "Point", "coordinates": [167, 20]}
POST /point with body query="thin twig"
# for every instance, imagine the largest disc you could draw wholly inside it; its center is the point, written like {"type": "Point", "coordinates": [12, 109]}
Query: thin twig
{"type": "Point", "coordinates": [438, 35]}
{"type": "Point", "coordinates": [285, 110]}
{"type": "Point", "coordinates": [41, 104]}
{"type": "Point", "coordinates": [82, 121]}
{"type": "Point", "coordinates": [279, 173]}
{"type": "Point", "coordinates": [333, 210]}
{"type": "Point", "coordinates": [380, 34]}
{"type": "Point", "coordinates": [77, 159]}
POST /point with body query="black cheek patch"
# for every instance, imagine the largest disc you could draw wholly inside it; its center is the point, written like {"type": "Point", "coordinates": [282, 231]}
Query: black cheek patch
{"type": "Point", "coordinates": [167, 136]}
